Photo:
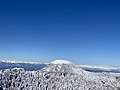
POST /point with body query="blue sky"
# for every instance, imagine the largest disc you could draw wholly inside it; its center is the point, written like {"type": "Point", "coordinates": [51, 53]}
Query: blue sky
{"type": "Point", "coordinates": [83, 31]}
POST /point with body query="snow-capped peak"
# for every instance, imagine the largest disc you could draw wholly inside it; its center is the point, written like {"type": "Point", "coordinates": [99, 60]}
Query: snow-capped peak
{"type": "Point", "coordinates": [63, 66]}
{"type": "Point", "coordinates": [61, 62]}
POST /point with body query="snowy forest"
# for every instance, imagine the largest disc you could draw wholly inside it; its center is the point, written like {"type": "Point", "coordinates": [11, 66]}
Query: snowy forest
{"type": "Point", "coordinates": [58, 76]}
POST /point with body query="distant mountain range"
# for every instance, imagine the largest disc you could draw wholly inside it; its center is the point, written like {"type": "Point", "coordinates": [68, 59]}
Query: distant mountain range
{"type": "Point", "coordinates": [30, 66]}
{"type": "Point", "coordinates": [7, 64]}
{"type": "Point", "coordinates": [92, 68]}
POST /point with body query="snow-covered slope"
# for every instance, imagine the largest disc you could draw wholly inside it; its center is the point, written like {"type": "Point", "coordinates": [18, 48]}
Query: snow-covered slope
{"type": "Point", "coordinates": [58, 75]}
{"type": "Point", "coordinates": [64, 66]}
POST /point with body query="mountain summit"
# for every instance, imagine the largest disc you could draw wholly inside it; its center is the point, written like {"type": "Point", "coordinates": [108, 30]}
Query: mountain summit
{"type": "Point", "coordinates": [63, 66]}
{"type": "Point", "coordinates": [61, 62]}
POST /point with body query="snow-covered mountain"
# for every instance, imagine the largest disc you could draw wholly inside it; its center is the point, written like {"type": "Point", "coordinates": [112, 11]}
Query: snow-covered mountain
{"type": "Point", "coordinates": [14, 61]}
{"type": "Point", "coordinates": [7, 64]}
{"type": "Point", "coordinates": [64, 67]}
{"type": "Point", "coordinates": [58, 75]}
{"type": "Point", "coordinates": [92, 68]}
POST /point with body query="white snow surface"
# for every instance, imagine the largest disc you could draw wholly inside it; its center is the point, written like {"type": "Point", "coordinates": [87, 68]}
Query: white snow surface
{"type": "Point", "coordinates": [64, 66]}
{"type": "Point", "coordinates": [14, 61]}
{"type": "Point", "coordinates": [61, 62]}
